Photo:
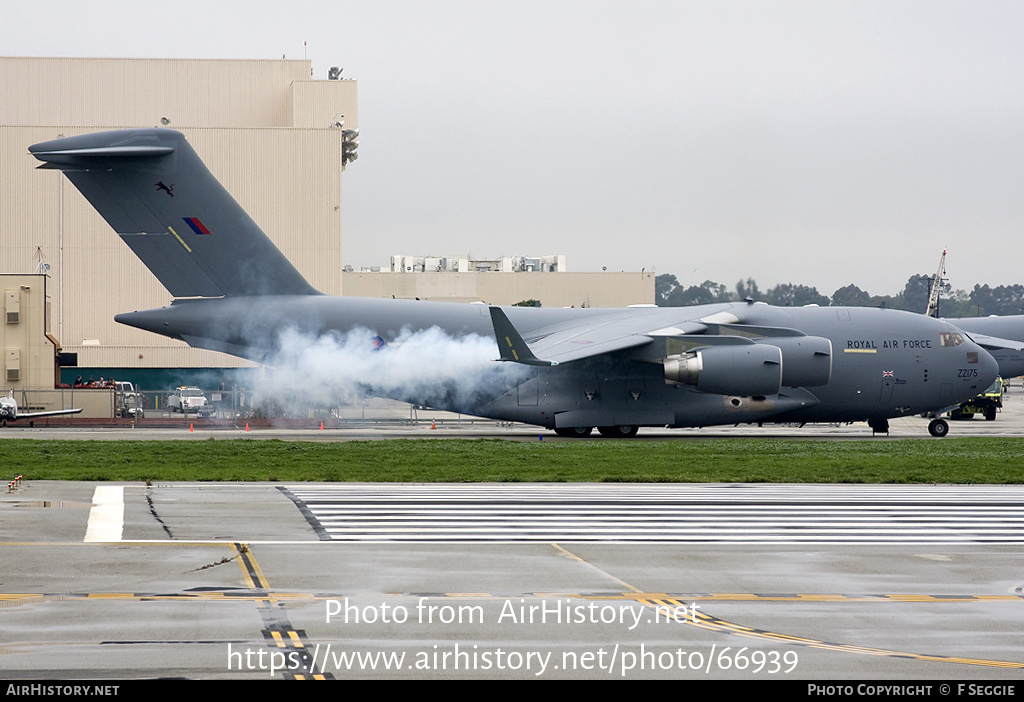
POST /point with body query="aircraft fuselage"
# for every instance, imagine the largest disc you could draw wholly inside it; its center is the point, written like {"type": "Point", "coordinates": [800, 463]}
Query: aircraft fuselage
{"type": "Point", "coordinates": [884, 363]}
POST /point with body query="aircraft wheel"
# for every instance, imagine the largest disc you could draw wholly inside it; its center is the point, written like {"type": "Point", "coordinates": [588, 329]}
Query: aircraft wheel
{"type": "Point", "coordinates": [938, 427]}
{"type": "Point", "coordinates": [622, 431]}
{"type": "Point", "coordinates": [574, 432]}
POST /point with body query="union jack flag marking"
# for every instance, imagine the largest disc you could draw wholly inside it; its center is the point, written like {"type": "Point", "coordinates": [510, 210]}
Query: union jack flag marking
{"type": "Point", "coordinates": [886, 374]}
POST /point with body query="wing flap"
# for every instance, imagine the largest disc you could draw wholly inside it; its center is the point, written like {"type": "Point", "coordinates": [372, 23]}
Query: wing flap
{"type": "Point", "coordinates": [753, 331]}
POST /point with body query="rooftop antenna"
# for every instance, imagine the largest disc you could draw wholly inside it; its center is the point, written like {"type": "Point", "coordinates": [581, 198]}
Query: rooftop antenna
{"type": "Point", "coordinates": [42, 267]}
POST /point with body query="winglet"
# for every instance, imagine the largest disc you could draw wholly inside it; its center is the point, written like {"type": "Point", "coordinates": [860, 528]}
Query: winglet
{"type": "Point", "coordinates": [510, 343]}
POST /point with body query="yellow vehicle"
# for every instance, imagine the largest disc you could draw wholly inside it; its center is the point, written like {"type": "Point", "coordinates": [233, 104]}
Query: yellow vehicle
{"type": "Point", "coordinates": [987, 403]}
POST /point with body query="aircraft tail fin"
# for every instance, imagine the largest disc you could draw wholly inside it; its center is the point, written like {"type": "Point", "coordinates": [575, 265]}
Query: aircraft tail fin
{"type": "Point", "coordinates": [162, 200]}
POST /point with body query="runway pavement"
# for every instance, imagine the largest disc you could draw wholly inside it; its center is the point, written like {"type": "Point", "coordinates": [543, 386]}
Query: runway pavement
{"type": "Point", "coordinates": [719, 582]}
{"type": "Point", "coordinates": [689, 582]}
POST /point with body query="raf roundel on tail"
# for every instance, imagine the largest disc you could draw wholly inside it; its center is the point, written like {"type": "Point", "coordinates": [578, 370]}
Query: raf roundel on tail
{"type": "Point", "coordinates": [574, 369]}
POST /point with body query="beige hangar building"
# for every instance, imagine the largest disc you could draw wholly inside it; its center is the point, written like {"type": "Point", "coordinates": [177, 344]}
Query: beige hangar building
{"type": "Point", "coordinates": [272, 134]}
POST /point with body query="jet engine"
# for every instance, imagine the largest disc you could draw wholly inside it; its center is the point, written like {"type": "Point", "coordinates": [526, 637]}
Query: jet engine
{"type": "Point", "coordinates": [746, 370]}
{"type": "Point", "coordinates": [806, 360]}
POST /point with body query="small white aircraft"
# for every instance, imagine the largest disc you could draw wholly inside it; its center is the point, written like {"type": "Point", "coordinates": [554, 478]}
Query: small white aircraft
{"type": "Point", "coordinates": [9, 411]}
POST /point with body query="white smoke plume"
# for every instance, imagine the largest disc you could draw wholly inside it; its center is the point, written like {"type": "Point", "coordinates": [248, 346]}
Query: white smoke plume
{"type": "Point", "coordinates": [426, 367]}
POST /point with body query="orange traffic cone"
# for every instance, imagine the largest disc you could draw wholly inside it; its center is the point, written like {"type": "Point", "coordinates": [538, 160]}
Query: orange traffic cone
{"type": "Point", "coordinates": [191, 427]}
{"type": "Point", "coordinates": [247, 426]}
{"type": "Point", "coordinates": [433, 425]}
{"type": "Point", "coordinates": [321, 426]}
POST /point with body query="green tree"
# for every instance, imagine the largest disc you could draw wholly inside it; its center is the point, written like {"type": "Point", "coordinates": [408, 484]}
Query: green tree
{"type": "Point", "coordinates": [884, 301]}
{"type": "Point", "coordinates": [748, 288]}
{"type": "Point", "coordinates": [981, 302]}
{"type": "Point", "coordinates": [914, 297]}
{"type": "Point", "coordinates": [1002, 299]}
{"type": "Point", "coordinates": [851, 296]}
{"type": "Point", "coordinates": [790, 295]}
{"type": "Point", "coordinates": [664, 285]}
{"type": "Point", "coordinates": [704, 294]}
{"type": "Point", "coordinates": [958, 304]}
{"type": "Point", "coordinates": [1009, 299]}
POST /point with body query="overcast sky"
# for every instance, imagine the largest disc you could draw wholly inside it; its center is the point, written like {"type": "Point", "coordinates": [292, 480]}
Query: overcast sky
{"type": "Point", "coordinates": [821, 143]}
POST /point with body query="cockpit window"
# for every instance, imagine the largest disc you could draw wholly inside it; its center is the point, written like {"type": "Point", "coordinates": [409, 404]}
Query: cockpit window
{"type": "Point", "coordinates": [952, 339]}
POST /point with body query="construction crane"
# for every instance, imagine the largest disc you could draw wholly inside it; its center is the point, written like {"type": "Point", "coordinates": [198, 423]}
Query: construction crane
{"type": "Point", "coordinates": [933, 296]}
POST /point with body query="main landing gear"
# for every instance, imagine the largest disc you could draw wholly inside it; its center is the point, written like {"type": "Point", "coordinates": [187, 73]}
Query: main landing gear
{"type": "Point", "coordinates": [574, 432]}
{"type": "Point", "coordinates": [623, 431]}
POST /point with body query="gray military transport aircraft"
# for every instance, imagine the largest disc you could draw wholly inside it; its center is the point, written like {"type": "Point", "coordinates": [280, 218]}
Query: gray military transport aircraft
{"type": "Point", "coordinates": [614, 369]}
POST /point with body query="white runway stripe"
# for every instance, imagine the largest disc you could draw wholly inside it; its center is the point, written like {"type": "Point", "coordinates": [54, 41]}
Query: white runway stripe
{"type": "Point", "coordinates": [106, 518]}
{"type": "Point", "coordinates": [666, 513]}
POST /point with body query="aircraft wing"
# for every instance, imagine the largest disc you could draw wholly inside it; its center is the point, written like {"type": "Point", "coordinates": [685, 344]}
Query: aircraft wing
{"type": "Point", "coordinates": [575, 341]}
{"type": "Point", "coordinates": [51, 413]}
{"type": "Point", "coordinates": [636, 336]}
{"type": "Point", "coordinates": [994, 343]}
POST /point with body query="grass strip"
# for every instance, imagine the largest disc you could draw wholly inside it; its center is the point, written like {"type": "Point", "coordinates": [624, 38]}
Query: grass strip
{"type": "Point", "coordinates": [960, 460]}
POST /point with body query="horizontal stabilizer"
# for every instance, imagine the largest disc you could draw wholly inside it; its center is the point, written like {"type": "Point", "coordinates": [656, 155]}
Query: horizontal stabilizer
{"type": "Point", "coordinates": [154, 191]}
{"type": "Point", "coordinates": [90, 157]}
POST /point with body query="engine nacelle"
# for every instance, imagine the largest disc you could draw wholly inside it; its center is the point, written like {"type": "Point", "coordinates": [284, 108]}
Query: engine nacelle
{"type": "Point", "coordinates": [746, 370]}
{"type": "Point", "coordinates": [806, 360]}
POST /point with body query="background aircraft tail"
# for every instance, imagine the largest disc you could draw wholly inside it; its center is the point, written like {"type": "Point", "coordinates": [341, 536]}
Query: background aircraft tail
{"type": "Point", "coordinates": [158, 195]}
